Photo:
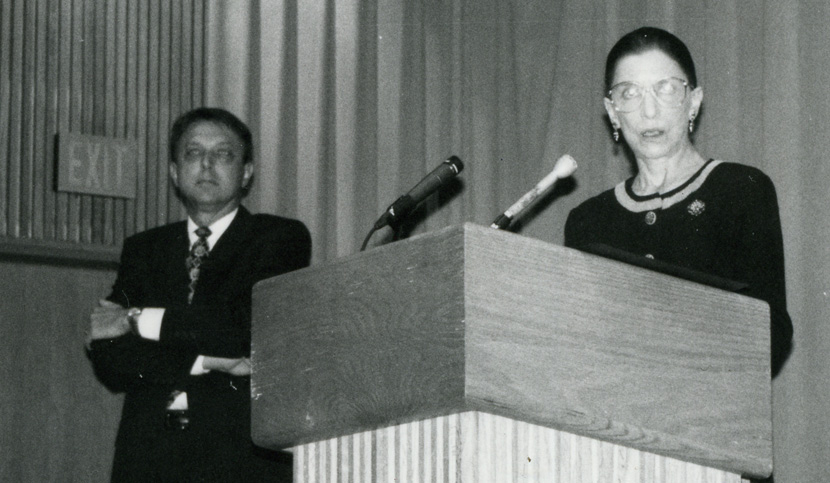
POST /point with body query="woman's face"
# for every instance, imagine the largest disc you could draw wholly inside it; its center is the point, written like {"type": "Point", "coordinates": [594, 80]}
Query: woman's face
{"type": "Point", "coordinates": [653, 130]}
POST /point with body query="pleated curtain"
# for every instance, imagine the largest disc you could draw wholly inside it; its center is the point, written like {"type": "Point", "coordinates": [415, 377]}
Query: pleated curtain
{"type": "Point", "coordinates": [354, 101]}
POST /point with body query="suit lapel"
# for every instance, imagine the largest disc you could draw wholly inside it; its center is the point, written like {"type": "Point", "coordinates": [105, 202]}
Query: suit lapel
{"type": "Point", "coordinates": [229, 244]}
{"type": "Point", "coordinates": [173, 249]}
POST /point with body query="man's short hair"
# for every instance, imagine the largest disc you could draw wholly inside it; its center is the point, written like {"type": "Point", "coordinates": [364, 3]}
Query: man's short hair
{"type": "Point", "coordinates": [216, 115]}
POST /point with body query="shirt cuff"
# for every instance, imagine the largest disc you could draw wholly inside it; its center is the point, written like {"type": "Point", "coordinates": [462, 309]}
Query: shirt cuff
{"type": "Point", "coordinates": [149, 323]}
{"type": "Point", "coordinates": [198, 367]}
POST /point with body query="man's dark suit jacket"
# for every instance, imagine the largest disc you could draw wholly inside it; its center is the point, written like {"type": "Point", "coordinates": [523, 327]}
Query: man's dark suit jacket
{"type": "Point", "coordinates": [216, 446]}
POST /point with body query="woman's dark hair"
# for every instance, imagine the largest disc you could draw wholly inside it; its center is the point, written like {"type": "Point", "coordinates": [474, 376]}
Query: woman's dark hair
{"type": "Point", "coordinates": [650, 38]}
{"type": "Point", "coordinates": [216, 115]}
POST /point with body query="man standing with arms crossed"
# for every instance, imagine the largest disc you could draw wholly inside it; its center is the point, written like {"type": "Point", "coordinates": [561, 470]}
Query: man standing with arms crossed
{"type": "Point", "coordinates": [174, 334]}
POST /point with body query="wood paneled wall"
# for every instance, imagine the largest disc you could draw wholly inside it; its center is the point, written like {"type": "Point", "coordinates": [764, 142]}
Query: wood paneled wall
{"type": "Point", "coordinates": [119, 68]}
{"type": "Point", "coordinates": [57, 422]}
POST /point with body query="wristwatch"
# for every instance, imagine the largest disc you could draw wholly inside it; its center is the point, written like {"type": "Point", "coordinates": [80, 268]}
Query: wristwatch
{"type": "Point", "coordinates": [132, 317]}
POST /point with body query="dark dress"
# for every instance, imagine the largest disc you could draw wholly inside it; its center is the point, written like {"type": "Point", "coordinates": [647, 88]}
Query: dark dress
{"type": "Point", "coordinates": [723, 221]}
{"type": "Point", "coordinates": [217, 445]}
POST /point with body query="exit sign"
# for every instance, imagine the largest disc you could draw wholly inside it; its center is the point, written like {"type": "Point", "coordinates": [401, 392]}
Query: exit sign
{"type": "Point", "coordinates": [97, 165]}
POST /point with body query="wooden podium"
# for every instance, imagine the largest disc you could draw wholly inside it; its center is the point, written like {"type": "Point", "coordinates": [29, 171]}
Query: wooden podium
{"type": "Point", "coordinates": [475, 355]}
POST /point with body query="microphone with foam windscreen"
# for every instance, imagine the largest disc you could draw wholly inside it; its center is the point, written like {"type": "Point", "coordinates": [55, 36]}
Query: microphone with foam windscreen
{"type": "Point", "coordinates": [564, 167]}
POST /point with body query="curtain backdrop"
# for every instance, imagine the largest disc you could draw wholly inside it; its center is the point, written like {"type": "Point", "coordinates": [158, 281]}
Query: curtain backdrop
{"type": "Point", "coordinates": [353, 101]}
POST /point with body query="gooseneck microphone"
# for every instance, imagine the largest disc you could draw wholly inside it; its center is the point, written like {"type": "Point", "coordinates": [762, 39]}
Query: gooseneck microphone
{"type": "Point", "coordinates": [439, 176]}
{"type": "Point", "coordinates": [564, 167]}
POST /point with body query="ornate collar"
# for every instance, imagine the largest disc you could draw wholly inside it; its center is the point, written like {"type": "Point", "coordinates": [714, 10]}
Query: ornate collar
{"type": "Point", "coordinates": [635, 203]}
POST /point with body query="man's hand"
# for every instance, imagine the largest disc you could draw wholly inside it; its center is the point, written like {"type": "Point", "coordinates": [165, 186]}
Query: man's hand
{"type": "Point", "coordinates": [234, 367]}
{"type": "Point", "coordinates": [108, 320]}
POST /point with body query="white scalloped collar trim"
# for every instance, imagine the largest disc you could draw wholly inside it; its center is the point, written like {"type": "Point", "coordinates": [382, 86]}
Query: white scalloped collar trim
{"type": "Point", "coordinates": [637, 204]}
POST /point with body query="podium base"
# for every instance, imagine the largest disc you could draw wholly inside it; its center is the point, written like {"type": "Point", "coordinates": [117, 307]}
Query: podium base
{"type": "Point", "coordinates": [475, 447]}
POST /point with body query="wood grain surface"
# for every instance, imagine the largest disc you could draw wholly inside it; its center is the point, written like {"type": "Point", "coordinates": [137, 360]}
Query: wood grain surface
{"type": "Point", "coordinates": [469, 318]}
{"type": "Point", "coordinates": [617, 353]}
{"type": "Point", "coordinates": [371, 339]}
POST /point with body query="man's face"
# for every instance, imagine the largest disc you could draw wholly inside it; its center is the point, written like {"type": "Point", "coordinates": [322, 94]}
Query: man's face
{"type": "Point", "coordinates": [208, 170]}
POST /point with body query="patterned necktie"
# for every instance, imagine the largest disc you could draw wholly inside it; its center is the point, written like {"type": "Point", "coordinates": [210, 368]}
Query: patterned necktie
{"type": "Point", "coordinates": [198, 253]}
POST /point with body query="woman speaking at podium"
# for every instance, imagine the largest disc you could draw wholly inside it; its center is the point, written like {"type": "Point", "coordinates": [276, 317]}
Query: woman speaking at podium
{"type": "Point", "coordinates": [680, 208]}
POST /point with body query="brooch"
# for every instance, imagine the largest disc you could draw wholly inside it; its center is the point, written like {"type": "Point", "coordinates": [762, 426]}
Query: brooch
{"type": "Point", "coordinates": [696, 207]}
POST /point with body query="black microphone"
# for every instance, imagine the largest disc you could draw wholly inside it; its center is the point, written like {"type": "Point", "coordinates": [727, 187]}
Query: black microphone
{"type": "Point", "coordinates": [564, 167]}
{"type": "Point", "coordinates": [439, 176]}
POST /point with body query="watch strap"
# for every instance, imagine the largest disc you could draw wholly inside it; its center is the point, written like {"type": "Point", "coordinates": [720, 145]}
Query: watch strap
{"type": "Point", "coordinates": [132, 317]}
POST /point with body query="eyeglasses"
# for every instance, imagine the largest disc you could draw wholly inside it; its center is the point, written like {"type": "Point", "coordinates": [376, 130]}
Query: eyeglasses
{"type": "Point", "coordinates": [628, 96]}
{"type": "Point", "coordinates": [221, 155]}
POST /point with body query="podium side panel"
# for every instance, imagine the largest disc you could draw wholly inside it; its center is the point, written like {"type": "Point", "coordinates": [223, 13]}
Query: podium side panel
{"type": "Point", "coordinates": [369, 340]}
{"type": "Point", "coordinates": [619, 353]}
{"type": "Point", "coordinates": [483, 448]}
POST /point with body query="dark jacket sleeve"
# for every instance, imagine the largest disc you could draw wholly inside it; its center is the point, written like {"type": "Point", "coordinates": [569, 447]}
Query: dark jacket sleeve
{"type": "Point", "coordinates": [762, 242]}
{"type": "Point", "coordinates": [573, 229]}
{"type": "Point", "coordinates": [220, 326]}
{"type": "Point", "coordinates": [223, 328]}
{"type": "Point", "coordinates": [129, 359]}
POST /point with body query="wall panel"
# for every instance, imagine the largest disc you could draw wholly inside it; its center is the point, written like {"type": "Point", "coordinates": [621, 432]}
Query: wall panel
{"type": "Point", "coordinates": [124, 69]}
{"type": "Point", "coordinates": [57, 422]}
{"type": "Point", "coordinates": [116, 68]}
